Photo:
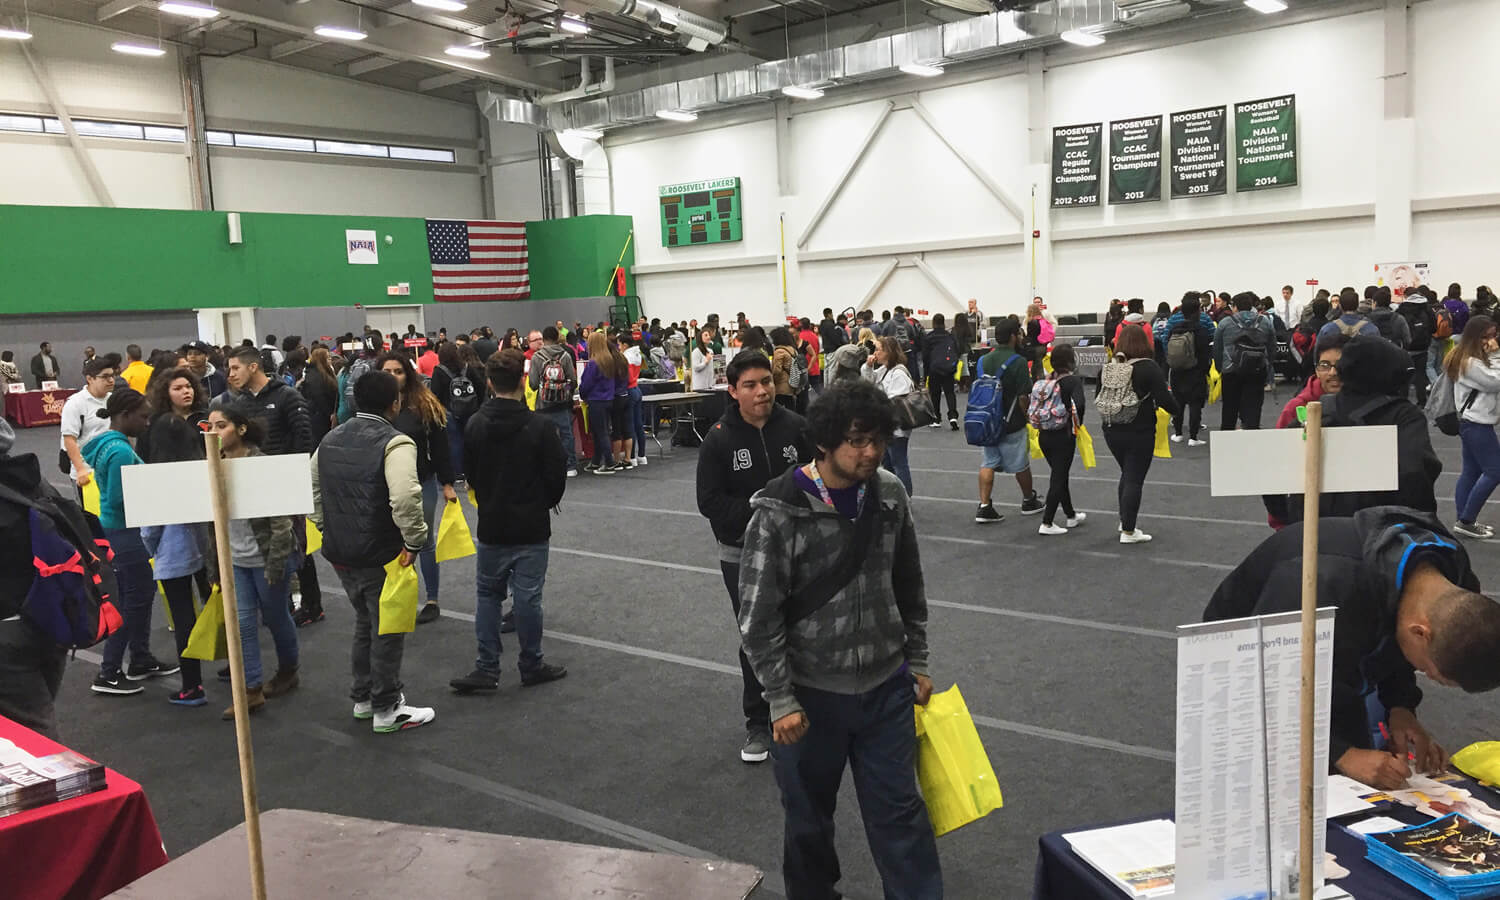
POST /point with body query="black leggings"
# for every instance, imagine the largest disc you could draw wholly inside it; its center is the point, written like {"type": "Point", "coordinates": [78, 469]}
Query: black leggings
{"type": "Point", "coordinates": [179, 593]}
{"type": "Point", "coordinates": [1132, 450]}
{"type": "Point", "coordinates": [939, 386]}
{"type": "Point", "coordinates": [1057, 448]}
{"type": "Point", "coordinates": [619, 417]}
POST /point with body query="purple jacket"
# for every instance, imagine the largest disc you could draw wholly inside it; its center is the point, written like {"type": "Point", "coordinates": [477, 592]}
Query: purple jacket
{"type": "Point", "coordinates": [1460, 312]}
{"type": "Point", "coordinates": [594, 387]}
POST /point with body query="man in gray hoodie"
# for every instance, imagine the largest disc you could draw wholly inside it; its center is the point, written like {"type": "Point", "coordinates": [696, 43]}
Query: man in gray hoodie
{"type": "Point", "coordinates": [554, 377]}
{"type": "Point", "coordinates": [833, 620]}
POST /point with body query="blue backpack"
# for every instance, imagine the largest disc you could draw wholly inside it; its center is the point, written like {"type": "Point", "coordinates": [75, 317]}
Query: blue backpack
{"type": "Point", "coordinates": [986, 413]}
{"type": "Point", "coordinates": [71, 599]}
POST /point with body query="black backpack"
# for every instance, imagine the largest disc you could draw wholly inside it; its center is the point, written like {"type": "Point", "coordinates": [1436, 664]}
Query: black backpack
{"type": "Point", "coordinates": [1246, 353]}
{"type": "Point", "coordinates": [1385, 322]}
{"type": "Point", "coordinates": [463, 396]}
{"type": "Point", "coordinates": [1419, 319]}
{"type": "Point", "coordinates": [71, 598]}
{"type": "Point", "coordinates": [944, 354]}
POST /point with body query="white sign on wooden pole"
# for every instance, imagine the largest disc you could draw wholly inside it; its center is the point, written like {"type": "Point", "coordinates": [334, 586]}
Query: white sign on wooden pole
{"type": "Point", "coordinates": [178, 493]}
{"type": "Point", "coordinates": [1269, 461]}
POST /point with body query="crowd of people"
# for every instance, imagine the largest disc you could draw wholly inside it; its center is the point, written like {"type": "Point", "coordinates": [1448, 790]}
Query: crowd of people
{"type": "Point", "coordinates": [807, 485]}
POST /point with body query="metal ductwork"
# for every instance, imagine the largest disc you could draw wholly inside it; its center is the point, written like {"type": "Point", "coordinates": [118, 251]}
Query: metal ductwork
{"type": "Point", "coordinates": [512, 111]}
{"type": "Point", "coordinates": [698, 32]}
{"type": "Point", "coordinates": [587, 87]}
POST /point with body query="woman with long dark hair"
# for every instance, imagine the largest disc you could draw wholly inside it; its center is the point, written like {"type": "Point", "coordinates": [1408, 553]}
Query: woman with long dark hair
{"type": "Point", "coordinates": [887, 369]}
{"type": "Point", "coordinates": [623, 442]}
{"type": "Point", "coordinates": [703, 361]}
{"type": "Point", "coordinates": [1133, 442]}
{"type": "Point", "coordinates": [596, 386]}
{"type": "Point", "coordinates": [1059, 443]}
{"type": "Point", "coordinates": [783, 363]}
{"type": "Point", "coordinates": [320, 386]}
{"type": "Point", "coordinates": [1473, 366]}
{"type": "Point", "coordinates": [423, 419]}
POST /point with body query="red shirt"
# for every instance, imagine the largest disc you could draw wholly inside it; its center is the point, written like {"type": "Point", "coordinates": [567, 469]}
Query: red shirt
{"type": "Point", "coordinates": [810, 337]}
{"type": "Point", "coordinates": [427, 362]}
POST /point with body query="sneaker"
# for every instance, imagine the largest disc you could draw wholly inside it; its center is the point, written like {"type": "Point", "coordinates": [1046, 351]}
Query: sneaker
{"type": "Point", "coordinates": [603, 470]}
{"type": "Point", "coordinates": [757, 747]}
{"type": "Point", "coordinates": [194, 697]}
{"type": "Point", "coordinates": [572, 473]}
{"type": "Point", "coordinates": [623, 465]}
{"type": "Point", "coordinates": [150, 667]}
{"type": "Point", "coordinates": [477, 680]}
{"type": "Point", "coordinates": [589, 466]}
{"type": "Point", "coordinates": [305, 617]}
{"type": "Point", "coordinates": [1051, 529]}
{"type": "Point", "coordinates": [542, 674]}
{"type": "Point", "coordinates": [933, 425]}
{"type": "Point", "coordinates": [1486, 528]}
{"type": "Point", "coordinates": [1176, 438]}
{"type": "Point", "coordinates": [364, 709]}
{"type": "Point", "coordinates": [953, 424]}
{"type": "Point", "coordinates": [640, 460]}
{"type": "Point", "coordinates": [224, 674]}
{"type": "Point", "coordinates": [1471, 530]}
{"type": "Point", "coordinates": [1075, 521]}
{"type": "Point", "coordinates": [284, 682]}
{"type": "Point", "coordinates": [1194, 442]}
{"type": "Point", "coordinates": [1032, 505]}
{"type": "Point", "coordinates": [1134, 537]}
{"type": "Point", "coordinates": [114, 684]}
{"type": "Point", "coordinates": [255, 698]}
{"type": "Point", "coordinates": [430, 613]}
{"type": "Point", "coordinates": [508, 622]}
{"type": "Point", "coordinates": [401, 717]}
{"type": "Point", "coordinates": [986, 514]}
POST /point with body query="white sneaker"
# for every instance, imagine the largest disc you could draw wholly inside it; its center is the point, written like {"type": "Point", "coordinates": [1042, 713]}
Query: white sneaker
{"type": "Point", "coordinates": [364, 709]}
{"type": "Point", "coordinates": [401, 717]}
{"type": "Point", "coordinates": [936, 425]}
{"type": "Point", "coordinates": [1197, 443]}
{"type": "Point", "coordinates": [1075, 521]}
{"type": "Point", "coordinates": [1134, 537]}
{"type": "Point", "coordinates": [640, 461]}
{"type": "Point", "coordinates": [572, 473]}
{"type": "Point", "coordinates": [1176, 438]}
{"type": "Point", "coordinates": [1051, 529]}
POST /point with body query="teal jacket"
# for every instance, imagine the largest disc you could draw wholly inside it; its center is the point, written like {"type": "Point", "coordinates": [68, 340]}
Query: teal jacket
{"type": "Point", "coordinates": [107, 454]}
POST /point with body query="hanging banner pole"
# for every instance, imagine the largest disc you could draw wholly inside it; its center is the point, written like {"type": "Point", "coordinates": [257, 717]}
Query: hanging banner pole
{"type": "Point", "coordinates": [618, 262]}
{"type": "Point", "coordinates": [785, 301]}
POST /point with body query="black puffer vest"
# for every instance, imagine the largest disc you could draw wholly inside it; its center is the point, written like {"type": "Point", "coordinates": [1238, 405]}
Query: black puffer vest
{"type": "Point", "coordinates": [358, 531]}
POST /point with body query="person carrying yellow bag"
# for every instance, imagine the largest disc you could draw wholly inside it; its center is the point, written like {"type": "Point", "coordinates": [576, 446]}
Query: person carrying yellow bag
{"type": "Point", "coordinates": [1132, 390]}
{"type": "Point", "coordinates": [1190, 368]}
{"type": "Point", "coordinates": [1055, 411]}
{"type": "Point", "coordinates": [957, 779]}
{"type": "Point", "coordinates": [367, 502]}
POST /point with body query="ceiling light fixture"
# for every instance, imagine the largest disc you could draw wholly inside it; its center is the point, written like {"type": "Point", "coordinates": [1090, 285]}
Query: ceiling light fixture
{"type": "Point", "coordinates": [1266, 6]}
{"type": "Point", "coordinates": [14, 34]}
{"type": "Point", "coordinates": [444, 5]}
{"type": "Point", "coordinates": [136, 49]}
{"type": "Point", "coordinates": [573, 24]}
{"type": "Point", "coordinates": [584, 134]}
{"type": "Point", "coordinates": [921, 70]}
{"type": "Point", "coordinates": [187, 8]}
{"type": "Point", "coordinates": [676, 115]}
{"type": "Point", "coordinates": [334, 32]}
{"type": "Point", "coordinates": [1082, 38]}
{"type": "Point", "coordinates": [468, 51]}
{"type": "Point", "coordinates": [797, 92]}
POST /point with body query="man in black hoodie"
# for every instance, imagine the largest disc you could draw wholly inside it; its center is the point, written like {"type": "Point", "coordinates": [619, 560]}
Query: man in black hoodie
{"type": "Point", "coordinates": [523, 479]}
{"type": "Point", "coordinates": [1407, 601]}
{"type": "Point", "coordinates": [755, 441]}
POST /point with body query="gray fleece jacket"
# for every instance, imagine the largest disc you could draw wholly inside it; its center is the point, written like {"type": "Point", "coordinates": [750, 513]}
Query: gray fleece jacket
{"type": "Point", "coordinates": [860, 638]}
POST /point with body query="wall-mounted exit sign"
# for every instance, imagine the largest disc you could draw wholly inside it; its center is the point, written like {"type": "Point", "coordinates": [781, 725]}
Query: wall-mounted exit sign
{"type": "Point", "coordinates": [700, 212]}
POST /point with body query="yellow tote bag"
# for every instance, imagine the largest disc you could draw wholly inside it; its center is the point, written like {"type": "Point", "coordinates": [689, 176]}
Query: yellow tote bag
{"type": "Point", "coordinates": [1034, 442]}
{"type": "Point", "coordinates": [207, 640]}
{"type": "Point", "coordinates": [91, 496]}
{"type": "Point", "coordinates": [1480, 760]}
{"type": "Point", "coordinates": [1086, 448]}
{"type": "Point", "coordinates": [453, 538]}
{"type": "Point", "coordinates": [1215, 388]}
{"type": "Point", "coordinates": [957, 780]}
{"type": "Point", "coordinates": [958, 374]}
{"type": "Point", "coordinates": [398, 599]}
{"type": "Point", "coordinates": [314, 538]}
{"type": "Point", "coordinates": [1163, 425]}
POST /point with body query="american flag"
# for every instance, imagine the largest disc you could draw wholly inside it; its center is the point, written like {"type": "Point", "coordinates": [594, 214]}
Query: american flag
{"type": "Point", "coordinates": [478, 260]}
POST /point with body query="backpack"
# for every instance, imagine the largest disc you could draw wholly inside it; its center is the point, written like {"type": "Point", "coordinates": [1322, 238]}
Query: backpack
{"type": "Point", "coordinates": [1045, 332]}
{"type": "Point", "coordinates": [676, 346]}
{"type": "Point", "coordinates": [901, 331]}
{"type": "Point", "coordinates": [1117, 401]}
{"type": "Point", "coordinates": [1350, 329]}
{"type": "Point", "coordinates": [1421, 331]}
{"type": "Point", "coordinates": [1441, 409]}
{"type": "Point", "coordinates": [797, 377]}
{"type": "Point", "coordinates": [1444, 328]}
{"type": "Point", "coordinates": [986, 415]}
{"type": "Point", "coordinates": [71, 599]}
{"type": "Point", "coordinates": [944, 355]}
{"type": "Point", "coordinates": [1384, 322]}
{"type": "Point", "coordinates": [1245, 353]}
{"type": "Point", "coordinates": [463, 397]}
{"type": "Point", "coordinates": [1047, 411]}
{"type": "Point", "coordinates": [1182, 350]}
{"type": "Point", "coordinates": [555, 388]}
{"type": "Point", "coordinates": [1159, 331]}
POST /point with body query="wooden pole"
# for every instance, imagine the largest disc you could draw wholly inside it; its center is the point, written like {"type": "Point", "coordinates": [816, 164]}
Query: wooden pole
{"type": "Point", "coordinates": [219, 491]}
{"type": "Point", "coordinates": [1312, 488]}
{"type": "Point", "coordinates": [626, 246]}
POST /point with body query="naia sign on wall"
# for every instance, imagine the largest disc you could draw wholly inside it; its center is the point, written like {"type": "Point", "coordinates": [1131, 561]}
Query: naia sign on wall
{"type": "Point", "coordinates": [361, 247]}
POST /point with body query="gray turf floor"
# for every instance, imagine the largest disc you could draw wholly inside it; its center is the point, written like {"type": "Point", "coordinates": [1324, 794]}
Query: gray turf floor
{"type": "Point", "coordinates": [1061, 645]}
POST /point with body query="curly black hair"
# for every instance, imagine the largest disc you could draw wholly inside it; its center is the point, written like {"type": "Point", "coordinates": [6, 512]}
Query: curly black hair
{"type": "Point", "coordinates": [854, 405]}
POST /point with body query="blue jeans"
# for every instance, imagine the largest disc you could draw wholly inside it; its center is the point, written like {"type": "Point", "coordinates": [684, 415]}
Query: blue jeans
{"type": "Point", "coordinates": [637, 428]}
{"type": "Point", "coordinates": [896, 460]}
{"type": "Point", "coordinates": [874, 734]}
{"type": "Point", "coordinates": [523, 569]}
{"type": "Point", "coordinates": [132, 566]}
{"type": "Point", "coordinates": [259, 599]}
{"type": "Point", "coordinates": [1481, 469]}
{"type": "Point", "coordinates": [432, 501]}
{"type": "Point", "coordinates": [563, 420]}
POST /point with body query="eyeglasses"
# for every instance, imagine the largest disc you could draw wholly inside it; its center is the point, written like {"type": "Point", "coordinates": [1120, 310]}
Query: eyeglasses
{"type": "Point", "coordinates": [861, 441]}
{"type": "Point", "coordinates": [1326, 366]}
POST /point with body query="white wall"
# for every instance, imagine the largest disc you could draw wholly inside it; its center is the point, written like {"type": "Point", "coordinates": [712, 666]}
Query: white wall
{"type": "Point", "coordinates": [911, 191]}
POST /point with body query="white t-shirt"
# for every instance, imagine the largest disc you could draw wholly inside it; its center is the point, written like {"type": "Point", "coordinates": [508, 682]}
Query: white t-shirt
{"type": "Point", "coordinates": [80, 421]}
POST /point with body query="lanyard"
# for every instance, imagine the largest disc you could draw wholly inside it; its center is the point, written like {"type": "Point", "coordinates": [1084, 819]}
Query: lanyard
{"type": "Point", "coordinates": [828, 498]}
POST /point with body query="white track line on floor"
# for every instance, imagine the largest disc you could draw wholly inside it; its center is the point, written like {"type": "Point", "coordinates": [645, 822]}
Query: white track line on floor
{"type": "Point", "coordinates": [1114, 513]}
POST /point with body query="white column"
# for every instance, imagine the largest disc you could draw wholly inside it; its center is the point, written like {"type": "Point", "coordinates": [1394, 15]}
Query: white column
{"type": "Point", "coordinates": [1395, 143]}
{"type": "Point", "coordinates": [1036, 228]}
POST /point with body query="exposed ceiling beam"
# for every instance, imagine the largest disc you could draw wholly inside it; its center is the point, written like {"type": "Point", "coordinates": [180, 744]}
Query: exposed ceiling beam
{"type": "Point", "coordinates": [442, 81]}
{"type": "Point", "coordinates": [287, 48]}
{"type": "Point", "coordinates": [116, 7]}
{"type": "Point", "coordinates": [370, 64]}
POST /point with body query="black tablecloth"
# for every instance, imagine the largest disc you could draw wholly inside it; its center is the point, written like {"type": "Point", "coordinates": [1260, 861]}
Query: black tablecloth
{"type": "Point", "coordinates": [1063, 875]}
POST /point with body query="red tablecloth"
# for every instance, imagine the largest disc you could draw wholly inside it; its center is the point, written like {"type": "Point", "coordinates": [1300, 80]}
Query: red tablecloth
{"type": "Point", "coordinates": [29, 409]}
{"type": "Point", "coordinates": [77, 849]}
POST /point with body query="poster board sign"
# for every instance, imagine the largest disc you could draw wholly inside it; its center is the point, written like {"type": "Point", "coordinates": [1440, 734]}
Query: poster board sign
{"type": "Point", "coordinates": [1135, 160]}
{"type": "Point", "coordinates": [1265, 133]}
{"type": "Point", "coordinates": [178, 493]}
{"type": "Point", "coordinates": [1404, 277]}
{"type": "Point", "coordinates": [1239, 751]}
{"type": "Point", "coordinates": [1200, 153]}
{"type": "Point", "coordinates": [361, 247]}
{"type": "Point", "coordinates": [1075, 165]}
{"type": "Point", "coordinates": [1267, 461]}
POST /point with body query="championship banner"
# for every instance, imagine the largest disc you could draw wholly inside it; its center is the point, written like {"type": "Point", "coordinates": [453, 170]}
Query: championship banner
{"type": "Point", "coordinates": [1075, 165]}
{"type": "Point", "coordinates": [1200, 158]}
{"type": "Point", "coordinates": [1265, 131]}
{"type": "Point", "coordinates": [1135, 160]}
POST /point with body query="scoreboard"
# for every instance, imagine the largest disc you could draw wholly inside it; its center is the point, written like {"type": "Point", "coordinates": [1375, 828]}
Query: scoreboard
{"type": "Point", "coordinates": [700, 212]}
